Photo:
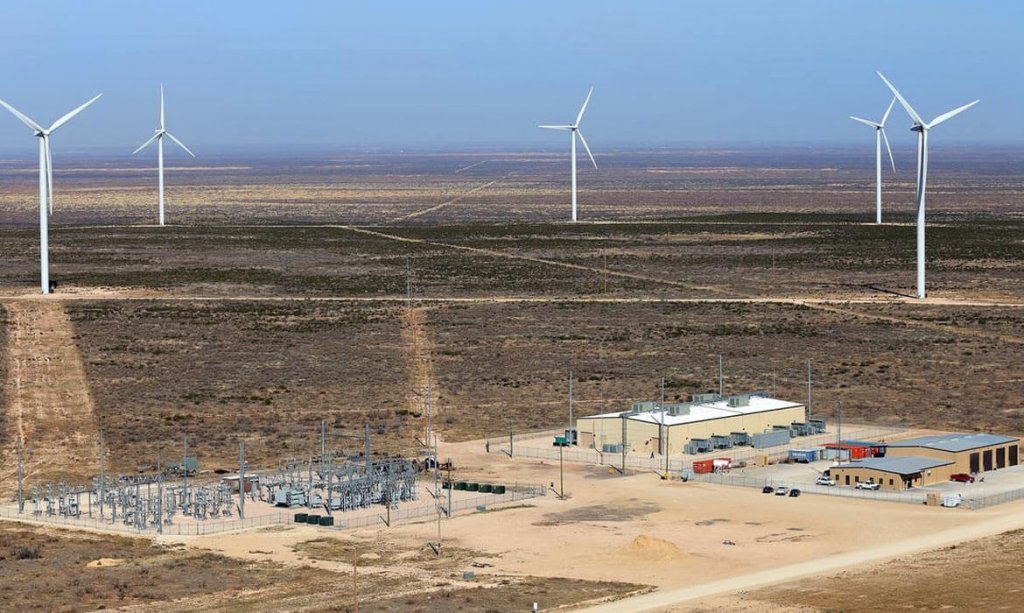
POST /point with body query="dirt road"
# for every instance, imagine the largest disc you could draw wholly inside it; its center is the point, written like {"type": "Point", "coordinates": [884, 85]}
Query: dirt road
{"type": "Point", "coordinates": [48, 405]}
{"type": "Point", "coordinates": [1009, 518]}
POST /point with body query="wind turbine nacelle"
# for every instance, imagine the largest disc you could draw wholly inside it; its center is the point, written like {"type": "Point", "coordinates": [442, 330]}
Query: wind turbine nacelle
{"type": "Point", "coordinates": [917, 128]}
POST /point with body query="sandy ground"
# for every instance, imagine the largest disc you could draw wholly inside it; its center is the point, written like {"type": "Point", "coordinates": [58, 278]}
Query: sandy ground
{"type": "Point", "coordinates": [666, 534]}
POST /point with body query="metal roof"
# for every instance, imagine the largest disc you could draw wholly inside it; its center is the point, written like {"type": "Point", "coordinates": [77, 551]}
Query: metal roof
{"type": "Point", "coordinates": [703, 411]}
{"type": "Point", "coordinates": [903, 466]}
{"type": "Point", "coordinates": [955, 442]}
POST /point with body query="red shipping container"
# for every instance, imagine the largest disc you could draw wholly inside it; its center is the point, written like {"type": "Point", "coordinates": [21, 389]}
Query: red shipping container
{"type": "Point", "coordinates": [701, 467]}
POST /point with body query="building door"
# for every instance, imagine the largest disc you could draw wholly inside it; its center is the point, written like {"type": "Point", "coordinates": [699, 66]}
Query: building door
{"type": "Point", "coordinates": [1001, 457]}
{"type": "Point", "coordinates": [987, 459]}
{"type": "Point", "coordinates": [1013, 455]}
{"type": "Point", "coordinates": [975, 462]}
{"type": "Point", "coordinates": [847, 479]}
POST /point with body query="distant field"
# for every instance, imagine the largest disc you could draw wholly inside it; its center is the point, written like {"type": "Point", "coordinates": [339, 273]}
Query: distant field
{"type": "Point", "coordinates": [748, 255]}
{"type": "Point", "coordinates": [377, 187]}
{"type": "Point", "coordinates": [317, 253]}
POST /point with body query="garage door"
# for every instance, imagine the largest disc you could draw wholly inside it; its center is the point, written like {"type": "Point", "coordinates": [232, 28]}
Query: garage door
{"type": "Point", "coordinates": [1001, 457]}
{"type": "Point", "coordinates": [975, 462]}
{"type": "Point", "coordinates": [986, 458]}
{"type": "Point", "coordinates": [1013, 455]}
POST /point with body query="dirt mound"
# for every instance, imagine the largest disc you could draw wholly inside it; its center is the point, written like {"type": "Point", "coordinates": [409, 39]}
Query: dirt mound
{"type": "Point", "coordinates": [105, 562]}
{"type": "Point", "coordinates": [654, 547]}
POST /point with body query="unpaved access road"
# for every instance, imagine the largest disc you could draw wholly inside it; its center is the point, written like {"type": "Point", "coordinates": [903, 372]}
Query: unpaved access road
{"type": "Point", "coordinates": [1010, 517]}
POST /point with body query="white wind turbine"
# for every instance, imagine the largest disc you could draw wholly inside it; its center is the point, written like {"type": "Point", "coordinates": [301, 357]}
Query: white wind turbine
{"type": "Point", "coordinates": [922, 127]}
{"type": "Point", "coordinates": [159, 138]}
{"type": "Point", "coordinates": [879, 136]}
{"type": "Point", "coordinates": [45, 183]}
{"type": "Point", "coordinates": [574, 129]}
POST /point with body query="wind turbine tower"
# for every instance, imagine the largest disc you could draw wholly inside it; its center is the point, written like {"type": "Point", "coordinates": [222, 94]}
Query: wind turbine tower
{"type": "Point", "coordinates": [879, 136]}
{"type": "Point", "coordinates": [45, 183]}
{"type": "Point", "coordinates": [161, 132]}
{"type": "Point", "coordinates": [922, 127]}
{"type": "Point", "coordinates": [574, 130]}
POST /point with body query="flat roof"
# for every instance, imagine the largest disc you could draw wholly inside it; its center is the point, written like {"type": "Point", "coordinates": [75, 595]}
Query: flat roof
{"type": "Point", "coordinates": [955, 442]}
{"type": "Point", "coordinates": [704, 411]}
{"type": "Point", "coordinates": [902, 466]}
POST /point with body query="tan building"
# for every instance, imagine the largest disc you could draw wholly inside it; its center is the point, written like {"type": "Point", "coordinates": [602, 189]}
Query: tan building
{"type": "Point", "coordinates": [969, 453]}
{"type": "Point", "coordinates": [899, 473]}
{"type": "Point", "coordinates": [706, 415]}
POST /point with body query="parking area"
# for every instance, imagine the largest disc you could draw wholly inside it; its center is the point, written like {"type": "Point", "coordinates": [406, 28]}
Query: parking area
{"type": "Point", "coordinates": [985, 484]}
{"type": "Point", "coordinates": [803, 476]}
{"type": "Point", "coordinates": [791, 475]}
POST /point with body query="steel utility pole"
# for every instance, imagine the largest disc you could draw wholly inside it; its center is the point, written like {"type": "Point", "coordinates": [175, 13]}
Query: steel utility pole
{"type": "Point", "coordinates": [323, 442]}
{"type": "Point", "coordinates": [508, 423]}
{"type": "Point", "coordinates": [839, 431]}
{"type": "Point", "coordinates": [103, 481]}
{"type": "Point", "coordinates": [661, 426]}
{"type": "Point", "coordinates": [810, 398]}
{"type": "Point", "coordinates": [184, 468]}
{"type": "Point", "coordinates": [721, 385]}
{"type": "Point", "coordinates": [241, 477]}
{"type": "Point", "coordinates": [561, 474]}
{"type": "Point", "coordinates": [569, 432]}
{"type": "Point", "coordinates": [21, 479]}
{"type": "Point", "coordinates": [625, 416]}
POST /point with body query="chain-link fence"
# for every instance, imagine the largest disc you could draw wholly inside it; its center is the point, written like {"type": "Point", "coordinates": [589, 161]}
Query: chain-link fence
{"type": "Point", "coordinates": [514, 493]}
{"type": "Point", "coordinates": [531, 447]}
{"type": "Point", "coordinates": [914, 497]}
{"type": "Point", "coordinates": [980, 502]}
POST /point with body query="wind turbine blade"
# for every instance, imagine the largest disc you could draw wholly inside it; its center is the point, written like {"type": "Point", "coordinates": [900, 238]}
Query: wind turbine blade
{"type": "Point", "coordinates": [584, 141]}
{"type": "Point", "coordinates": [161, 106]}
{"type": "Point", "coordinates": [556, 127]}
{"type": "Point", "coordinates": [865, 122]}
{"type": "Point", "coordinates": [906, 105]}
{"type": "Point", "coordinates": [49, 173]}
{"type": "Point", "coordinates": [24, 118]}
{"type": "Point", "coordinates": [943, 117]}
{"type": "Point", "coordinates": [889, 149]}
{"type": "Point", "coordinates": [66, 118]}
{"type": "Point", "coordinates": [145, 144]}
{"type": "Point", "coordinates": [180, 144]}
{"type": "Point", "coordinates": [583, 108]}
{"type": "Point", "coordinates": [887, 111]}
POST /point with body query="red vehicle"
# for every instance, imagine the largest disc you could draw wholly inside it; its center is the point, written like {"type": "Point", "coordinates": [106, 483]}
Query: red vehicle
{"type": "Point", "coordinates": [962, 478]}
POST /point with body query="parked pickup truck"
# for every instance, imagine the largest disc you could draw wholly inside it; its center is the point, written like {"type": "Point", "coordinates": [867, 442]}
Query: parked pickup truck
{"type": "Point", "coordinates": [823, 480]}
{"type": "Point", "coordinates": [868, 485]}
{"type": "Point", "coordinates": [962, 478]}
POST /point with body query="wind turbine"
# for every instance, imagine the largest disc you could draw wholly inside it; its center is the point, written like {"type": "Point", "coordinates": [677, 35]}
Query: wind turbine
{"type": "Point", "coordinates": [922, 127]}
{"type": "Point", "coordinates": [161, 132]}
{"type": "Point", "coordinates": [879, 136]}
{"type": "Point", "coordinates": [45, 183]}
{"type": "Point", "coordinates": [573, 130]}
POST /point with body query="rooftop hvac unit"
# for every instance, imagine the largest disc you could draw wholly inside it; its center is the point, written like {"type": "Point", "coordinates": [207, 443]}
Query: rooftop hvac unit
{"type": "Point", "coordinates": [679, 409]}
{"type": "Point", "coordinates": [702, 398]}
{"type": "Point", "coordinates": [645, 406]}
{"type": "Point", "coordinates": [739, 401]}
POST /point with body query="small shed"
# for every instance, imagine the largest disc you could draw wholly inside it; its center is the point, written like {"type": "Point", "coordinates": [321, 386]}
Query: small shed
{"type": "Point", "coordinates": [804, 456]}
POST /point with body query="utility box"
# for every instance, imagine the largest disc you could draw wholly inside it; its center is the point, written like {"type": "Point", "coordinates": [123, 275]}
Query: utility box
{"type": "Point", "coordinates": [289, 498]}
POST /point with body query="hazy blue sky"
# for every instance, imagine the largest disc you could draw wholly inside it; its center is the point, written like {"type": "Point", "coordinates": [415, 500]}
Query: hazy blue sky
{"type": "Point", "coordinates": [436, 73]}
